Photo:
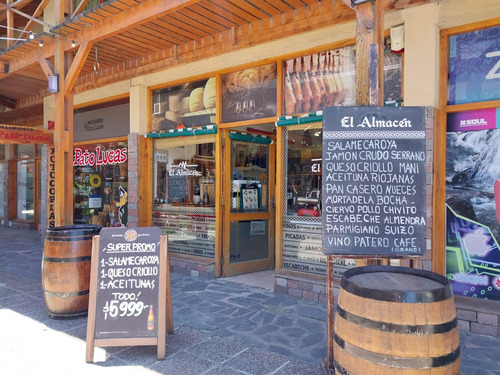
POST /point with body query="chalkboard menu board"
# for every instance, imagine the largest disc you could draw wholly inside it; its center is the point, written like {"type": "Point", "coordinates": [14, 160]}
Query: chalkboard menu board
{"type": "Point", "coordinates": [128, 283]}
{"type": "Point", "coordinates": [374, 192]}
{"type": "Point", "coordinates": [177, 188]}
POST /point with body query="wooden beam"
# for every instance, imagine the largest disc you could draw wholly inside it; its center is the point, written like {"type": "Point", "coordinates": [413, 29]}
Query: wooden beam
{"type": "Point", "coordinates": [18, 4]}
{"type": "Point", "coordinates": [369, 29]}
{"type": "Point", "coordinates": [76, 66]}
{"type": "Point", "coordinates": [62, 207]}
{"type": "Point", "coordinates": [38, 12]}
{"type": "Point", "coordinates": [47, 67]}
{"type": "Point", "coordinates": [7, 102]}
{"type": "Point", "coordinates": [10, 26]}
{"type": "Point", "coordinates": [30, 17]}
{"type": "Point", "coordinates": [403, 4]}
{"type": "Point", "coordinates": [79, 9]}
{"type": "Point", "coordinates": [128, 19]}
{"type": "Point", "coordinates": [21, 3]}
{"type": "Point", "coordinates": [316, 17]}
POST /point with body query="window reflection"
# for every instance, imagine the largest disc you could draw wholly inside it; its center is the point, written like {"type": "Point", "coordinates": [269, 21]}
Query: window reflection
{"type": "Point", "coordinates": [25, 189]}
{"type": "Point", "coordinates": [303, 193]}
{"type": "Point", "coordinates": [250, 171]}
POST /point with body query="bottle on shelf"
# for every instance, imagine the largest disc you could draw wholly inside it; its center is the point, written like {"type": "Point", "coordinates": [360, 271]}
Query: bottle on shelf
{"type": "Point", "coordinates": [196, 195]}
{"type": "Point", "coordinates": [205, 198]}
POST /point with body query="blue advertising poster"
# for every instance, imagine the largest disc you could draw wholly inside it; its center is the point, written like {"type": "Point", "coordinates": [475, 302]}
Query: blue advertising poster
{"type": "Point", "coordinates": [474, 66]}
{"type": "Point", "coordinates": [473, 213]}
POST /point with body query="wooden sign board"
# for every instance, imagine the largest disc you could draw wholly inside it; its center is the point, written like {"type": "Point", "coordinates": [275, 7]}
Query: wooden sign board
{"type": "Point", "coordinates": [12, 134]}
{"type": "Point", "coordinates": [129, 290]}
{"type": "Point", "coordinates": [374, 181]}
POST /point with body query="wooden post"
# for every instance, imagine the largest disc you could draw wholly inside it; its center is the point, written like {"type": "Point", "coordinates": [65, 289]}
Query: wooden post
{"type": "Point", "coordinates": [369, 92]}
{"type": "Point", "coordinates": [61, 181]}
{"type": "Point", "coordinates": [369, 53]}
{"type": "Point", "coordinates": [10, 25]}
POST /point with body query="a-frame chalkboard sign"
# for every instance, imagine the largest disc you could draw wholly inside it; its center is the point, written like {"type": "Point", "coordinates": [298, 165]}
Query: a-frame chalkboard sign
{"type": "Point", "coordinates": [130, 300]}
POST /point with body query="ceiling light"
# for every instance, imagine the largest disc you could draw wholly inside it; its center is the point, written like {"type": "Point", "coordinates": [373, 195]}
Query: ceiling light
{"type": "Point", "coordinates": [31, 35]}
{"type": "Point", "coordinates": [40, 43]}
{"type": "Point", "coordinates": [73, 44]}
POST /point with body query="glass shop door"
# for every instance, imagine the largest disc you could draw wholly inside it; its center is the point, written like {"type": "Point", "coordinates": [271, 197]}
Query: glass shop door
{"type": "Point", "coordinates": [249, 220]}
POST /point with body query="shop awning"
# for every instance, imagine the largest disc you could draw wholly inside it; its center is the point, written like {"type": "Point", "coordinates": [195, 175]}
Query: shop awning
{"type": "Point", "coordinates": [296, 120]}
{"type": "Point", "coordinates": [184, 132]}
{"type": "Point", "coordinates": [252, 138]}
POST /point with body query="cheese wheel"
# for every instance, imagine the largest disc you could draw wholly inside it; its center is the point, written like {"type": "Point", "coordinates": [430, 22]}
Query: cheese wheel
{"type": "Point", "coordinates": [172, 116]}
{"type": "Point", "coordinates": [185, 105]}
{"type": "Point", "coordinates": [196, 100]}
{"type": "Point", "coordinates": [209, 94]}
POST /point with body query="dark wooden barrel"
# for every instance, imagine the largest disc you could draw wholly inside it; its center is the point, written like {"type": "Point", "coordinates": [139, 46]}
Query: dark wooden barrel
{"type": "Point", "coordinates": [395, 320]}
{"type": "Point", "coordinates": [66, 259]}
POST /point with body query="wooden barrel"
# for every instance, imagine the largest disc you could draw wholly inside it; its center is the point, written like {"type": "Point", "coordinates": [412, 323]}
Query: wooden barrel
{"type": "Point", "coordinates": [395, 320]}
{"type": "Point", "coordinates": [66, 269]}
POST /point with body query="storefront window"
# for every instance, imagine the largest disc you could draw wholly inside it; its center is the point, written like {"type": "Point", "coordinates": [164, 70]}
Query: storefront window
{"type": "Point", "coordinates": [473, 66]}
{"type": "Point", "coordinates": [249, 177]}
{"type": "Point", "coordinates": [25, 151]}
{"type": "Point", "coordinates": [304, 173]}
{"type": "Point", "coordinates": [328, 79]}
{"type": "Point", "coordinates": [25, 189]}
{"type": "Point", "coordinates": [472, 173]}
{"type": "Point", "coordinates": [249, 94]}
{"type": "Point", "coordinates": [184, 195]}
{"type": "Point", "coordinates": [101, 184]}
{"type": "Point", "coordinates": [302, 226]}
{"type": "Point", "coordinates": [187, 105]}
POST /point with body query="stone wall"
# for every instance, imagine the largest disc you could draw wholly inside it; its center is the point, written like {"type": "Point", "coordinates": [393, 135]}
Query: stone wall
{"type": "Point", "coordinates": [133, 180]}
{"type": "Point", "coordinates": [200, 268]}
{"type": "Point", "coordinates": [481, 318]}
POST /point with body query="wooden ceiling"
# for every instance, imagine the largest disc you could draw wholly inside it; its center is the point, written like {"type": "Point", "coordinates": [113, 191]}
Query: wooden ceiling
{"type": "Point", "coordinates": [126, 38]}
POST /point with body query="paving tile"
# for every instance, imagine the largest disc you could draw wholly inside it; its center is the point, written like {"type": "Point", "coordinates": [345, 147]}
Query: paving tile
{"type": "Point", "coordinates": [139, 355]}
{"type": "Point", "coordinates": [257, 362]}
{"type": "Point", "coordinates": [299, 368]}
{"type": "Point", "coordinates": [216, 349]}
{"type": "Point", "coordinates": [221, 328]}
{"type": "Point", "coordinates": [225, 370]}
{"type": "Point", "coordinates": [182, 363]}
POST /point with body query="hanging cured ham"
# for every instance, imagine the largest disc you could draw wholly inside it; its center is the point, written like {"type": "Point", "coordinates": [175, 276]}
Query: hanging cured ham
{"type": "Point", "coordinates": [341, 88]}
{"type": "Point", "coordinates": [320, 78]}
{"type": "Point", "coordinates": [307, 93]}
{"type": "Point", "coordinates": [315, 87]}
{"type": "Point", "coordinates": [297, 89]}
{"type": "Point", "coordinates": [289, 96]}
{"type": "Point", "coordinates": [331, 87]}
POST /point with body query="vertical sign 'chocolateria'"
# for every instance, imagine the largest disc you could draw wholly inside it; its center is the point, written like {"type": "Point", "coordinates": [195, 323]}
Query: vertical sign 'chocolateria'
{"type": "Point", "coordinates": [374, 194]}
{"type": "Point", "coordinates": [128, 283]}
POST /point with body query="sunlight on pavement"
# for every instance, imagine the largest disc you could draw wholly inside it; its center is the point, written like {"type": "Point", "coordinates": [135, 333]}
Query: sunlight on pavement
{"type": "Point", "coordinates": [30, 347]}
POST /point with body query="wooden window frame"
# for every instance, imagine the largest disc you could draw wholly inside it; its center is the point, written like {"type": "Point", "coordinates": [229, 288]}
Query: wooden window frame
{"type": "Point", "coordinates": [12, 187]}
{"type": "Point", "coordinates": [439, 173]}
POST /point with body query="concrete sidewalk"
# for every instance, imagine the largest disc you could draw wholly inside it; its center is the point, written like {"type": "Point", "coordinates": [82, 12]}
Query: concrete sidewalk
{"type": "Point", "coordinates": [221, 327]}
